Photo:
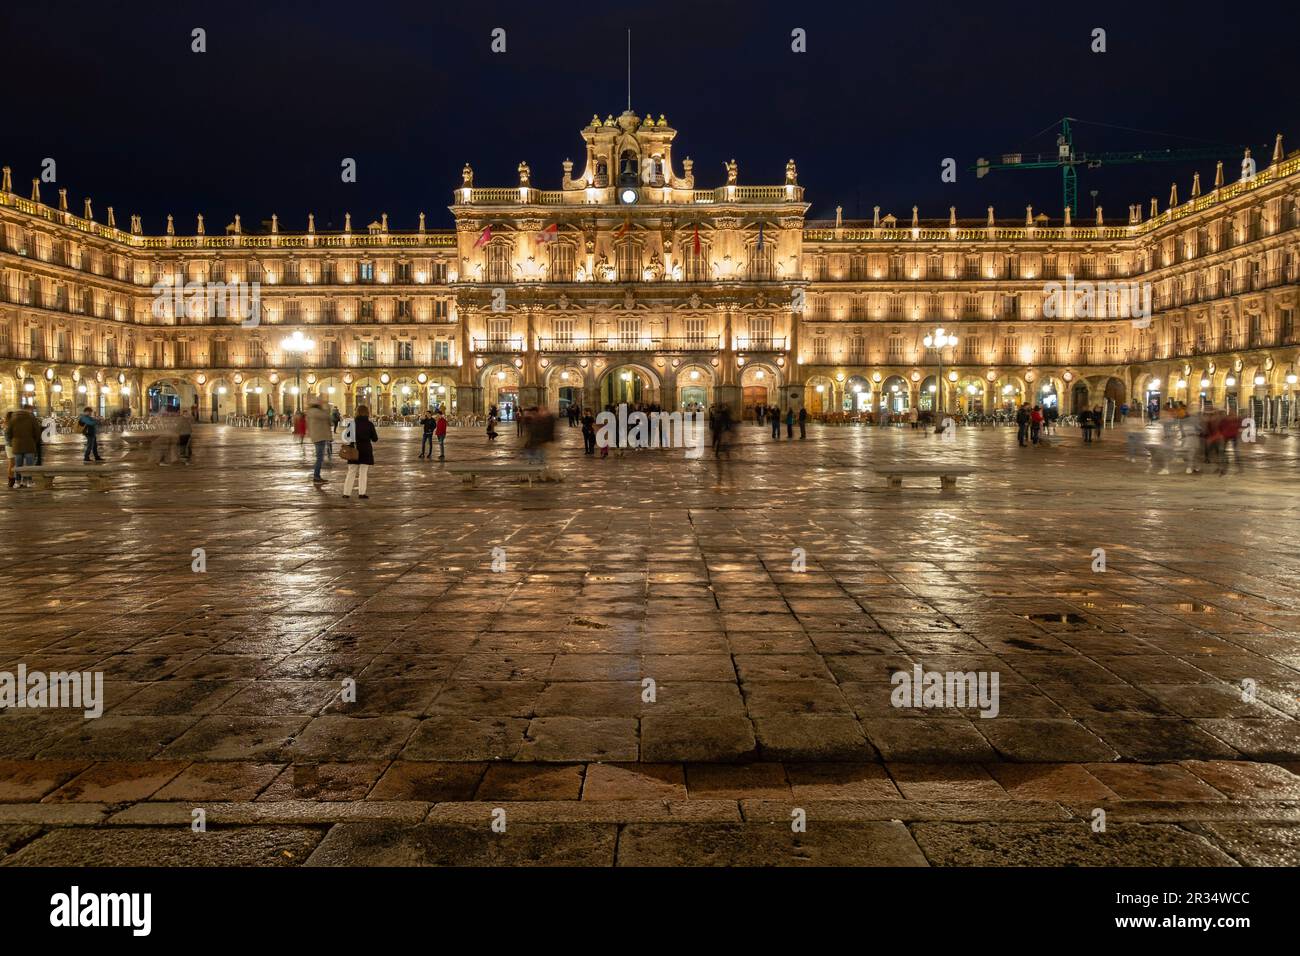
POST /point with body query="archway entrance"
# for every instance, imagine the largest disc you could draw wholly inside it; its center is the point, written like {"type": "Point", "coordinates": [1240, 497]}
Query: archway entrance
{"type": "Point", "coordinates": [626, 384]}
{"type": "Point", "coordinates": [162, 398]}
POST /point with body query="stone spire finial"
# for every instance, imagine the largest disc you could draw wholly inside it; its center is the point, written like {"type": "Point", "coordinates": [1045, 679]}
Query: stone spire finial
{"type": "Point", "coordinates": [791, 173]}
{"type": "Point", "coordinates": [1068, 210]}
{"type": "Point", "coordinates": [171, 226]}
{"type": "Point", "coordinates": [1100, 221]}
{"type": "Point", "coordinates": [87, 212]}
{"type": "Point", "coordinates": [239, 226]}
{"type": "Point", "coordinates": [383, 222]}
{"type": "Point", "coordinates": [1029, 215]}
{"type": "Point", "coordinates": [63, 200]}
{"type": "Point", "coordinates": [36, 190]}
{"type": "Point", "coordinates": [875, 217]}
{"type": "Point", "coordinates": [467, 176]}
{"type": "Point", "coordinates": [1173, 195]}
{"type": "Point", "coordinates": [1277, 149]}
{"type": "Point", "coordinates": [275, 224]}
{"type": "Point", "coordinates": [1218, 175]}
{"type": "Point", "coordinates": [952, 215]}
{"type": "Point", "coordinates": [915, 221]}
{"type": "Point", "coordinates": [199, 228]}
{"type": "Point", "coordinates": [1196, 185]}
{"type": "Point", "coordinates": [112, 220]}
{"type": "Point", "coordinates": [137, 225]}
{"type": "Point", "coordinates": [347, 222]}
{"type": "Point", "coordinates": [525, 174]}
{"type": "Point", "coordinates": [6, 180]}
{"type": "Point", "coordinates": [839, 216]}
{"type": "Point", "coordinates": [990, 219]}
{"type": "Point", "coordinates": [1155, 208]}
{"type": "Point", "coordinates": [422, 223]}
{"type": "Point", "coordinates": [311, 222]}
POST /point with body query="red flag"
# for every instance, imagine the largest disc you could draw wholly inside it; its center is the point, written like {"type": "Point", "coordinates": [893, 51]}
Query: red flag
{"type": "Point", "coordinates": [485, 238]}
{"type": "Point", "coordinates": [627, 223]}
{"type": "Point", "coordinates": [697, 240]}
{"type": "Point", "coordinates": [550, 233]}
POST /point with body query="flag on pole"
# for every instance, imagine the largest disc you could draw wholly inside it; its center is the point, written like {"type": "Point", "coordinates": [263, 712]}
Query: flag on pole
{"type": "Point", "coordinates": [760, 235]}
{"type": "Point", "coordinates": [627, 223]}
{"type": "Point", "coordinates": [485, 238]}
{"type": "Point", "coordinates": [697, 240]}
{"type": "Point", "coordinates": [550, 233]}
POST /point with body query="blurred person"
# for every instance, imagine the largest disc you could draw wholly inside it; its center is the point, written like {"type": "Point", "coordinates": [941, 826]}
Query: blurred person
{"type": "Point", "coordinates": [319, 433]}
{"type": "Point", "coordinates": [22, 439]}
{"type": "Point", "coordinates": [440, 432]}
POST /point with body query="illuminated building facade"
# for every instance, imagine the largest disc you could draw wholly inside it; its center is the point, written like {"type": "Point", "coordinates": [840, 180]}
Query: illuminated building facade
{"type": "Point", "coordinates": [629, 283]}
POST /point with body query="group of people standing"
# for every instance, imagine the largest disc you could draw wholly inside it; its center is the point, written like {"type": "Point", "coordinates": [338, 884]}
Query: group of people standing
{"type": "Point", "coordinates": [772, 415]}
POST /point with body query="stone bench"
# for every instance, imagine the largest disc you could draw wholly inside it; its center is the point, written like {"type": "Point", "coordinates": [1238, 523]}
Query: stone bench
{"type": "Point", "coordinates": [99, 476]}
{"type": "Point", "coordinates": [530, 472]}
{"type": "Point", "coordinates": [947, 474]}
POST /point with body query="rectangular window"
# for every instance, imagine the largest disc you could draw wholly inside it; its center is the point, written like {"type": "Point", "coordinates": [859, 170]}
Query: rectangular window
{"type": "Point", "coordinates": [366, 352]}
{"type": "Point", "coordinates": [442, 351]}
{"type": "Point", "coordinates": [365, 272]}
{"type": "Point", "coordinates": [696, 335]}
{"type": "Point", "coordinates": [562, 259]}
{"type": "Point", "coordinates": [760, 332]}
{"type": "Point", "coordinates": [564, 331]}
{"type": "Point", "coordinates": [405, 351]}
{"type": "Point", "coordinates": [628, 256]}
{"type": "Point", "coordinates": [498, 262]}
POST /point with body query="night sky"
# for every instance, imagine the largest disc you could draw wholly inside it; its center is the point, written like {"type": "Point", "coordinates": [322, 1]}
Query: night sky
{"type": "Point", "coordinates": [261, 122]}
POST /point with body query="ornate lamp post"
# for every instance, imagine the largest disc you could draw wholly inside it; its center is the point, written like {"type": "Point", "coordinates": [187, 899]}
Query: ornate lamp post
{"type": "Point", "coordinates": [297, 345]}
{"type": "Point", "coordinates": [939, 340]}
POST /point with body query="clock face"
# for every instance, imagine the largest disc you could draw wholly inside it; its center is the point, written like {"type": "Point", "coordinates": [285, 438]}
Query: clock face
{"type": "Point", "coordinates": [628, 196]}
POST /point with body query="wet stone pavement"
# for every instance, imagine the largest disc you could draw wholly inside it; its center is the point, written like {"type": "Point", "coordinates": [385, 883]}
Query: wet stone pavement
{"type": "Point", "coordinates": [667, 661]}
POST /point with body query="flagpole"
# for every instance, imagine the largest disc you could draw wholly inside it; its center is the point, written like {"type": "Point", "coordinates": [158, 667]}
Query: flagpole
{"type": "Point", "coordinates": [629, 71]}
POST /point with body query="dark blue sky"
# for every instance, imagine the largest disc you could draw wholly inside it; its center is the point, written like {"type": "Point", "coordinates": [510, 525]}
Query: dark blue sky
{"type": "Point", "coordinates": [260, 123]}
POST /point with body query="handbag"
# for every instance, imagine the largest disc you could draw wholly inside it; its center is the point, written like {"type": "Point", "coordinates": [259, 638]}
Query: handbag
{"type": "Point", "coordinates": [349, 452]}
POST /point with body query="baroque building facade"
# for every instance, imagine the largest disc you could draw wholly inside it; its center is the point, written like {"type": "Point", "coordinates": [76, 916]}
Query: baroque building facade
{"type": "Point", "coordinates": [628, 283]}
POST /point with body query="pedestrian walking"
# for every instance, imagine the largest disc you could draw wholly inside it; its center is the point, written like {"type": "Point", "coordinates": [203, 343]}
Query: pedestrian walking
{"type": "Point", "coordinates": [774, 416]}
{"type": "Point", "coordinates": [335, 417]}
{"type": "Point", "coordinates": [300, 427]}
{"type": "Point", "coordinates": [440, 432]}
{"type": "Point", "coordinates": [789, 424]}
{"type": "Point", "coordinates": [1022, 424]}
{"type": "Point", "coordinates": [319, 432]}
{"type": "Point", "coordinates": [90, 428]}
{"type": "Point", "coordinates": [1035, 424]}
{"type": "Point", "coordinates": [364, 436]}
{"type": "Point", "coordinates": [803, 422]}
{"type": "Point", "coordinates": [588, 433]}
{"type": "Point", "coordinates": [492, 424]}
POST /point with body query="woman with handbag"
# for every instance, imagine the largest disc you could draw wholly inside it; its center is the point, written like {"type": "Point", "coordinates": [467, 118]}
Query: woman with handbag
{"type": "Point", "coordinates": [360, 454]}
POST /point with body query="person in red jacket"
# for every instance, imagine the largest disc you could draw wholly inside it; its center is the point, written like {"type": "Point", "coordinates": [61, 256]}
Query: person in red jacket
{"type": "Point", "coordinates": [440, 429]}
{"type": "Point", "coordinates": [1229, 429]}
{"type": "Point", "coordinates": [1035, 424]}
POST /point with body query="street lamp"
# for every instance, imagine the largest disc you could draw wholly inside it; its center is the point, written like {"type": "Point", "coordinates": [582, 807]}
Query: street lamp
{"type": "Point", "coordinates": [938, 341]}
{"type": "Point", "coordinates": [297, 345]}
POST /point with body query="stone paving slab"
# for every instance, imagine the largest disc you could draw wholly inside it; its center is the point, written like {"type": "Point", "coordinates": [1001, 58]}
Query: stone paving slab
{"type": "Point", "coordinates": [762, 844]}
{"type": "Point", "coordinates": [437, 844]}
{"type": "Point", "coordinates": [128, 846]}
{"type": "Point", "coordinates": [278, 812]}
{"type": "Point", "coordinates": [1007, 844]}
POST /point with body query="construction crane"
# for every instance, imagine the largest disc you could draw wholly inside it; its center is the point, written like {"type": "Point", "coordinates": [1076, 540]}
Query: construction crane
{"type": "Point", "coordinates": [1068, 161]}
